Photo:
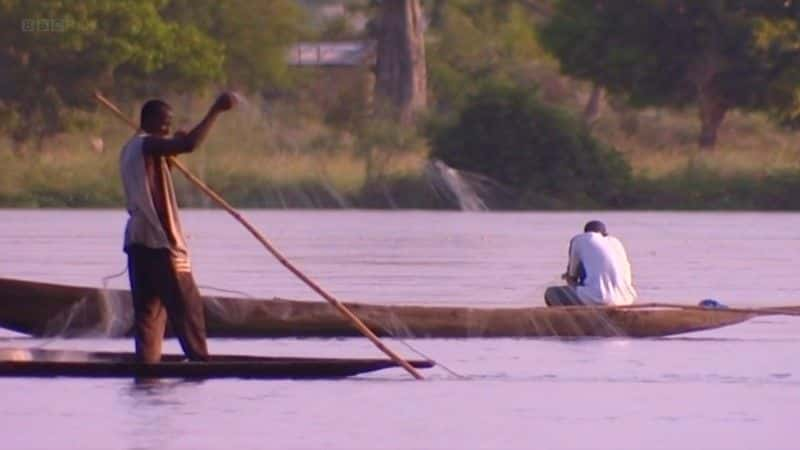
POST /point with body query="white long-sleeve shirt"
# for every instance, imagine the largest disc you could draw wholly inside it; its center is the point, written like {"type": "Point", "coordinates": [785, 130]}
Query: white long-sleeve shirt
{"type": "Point", "coordinates": [606, 268]}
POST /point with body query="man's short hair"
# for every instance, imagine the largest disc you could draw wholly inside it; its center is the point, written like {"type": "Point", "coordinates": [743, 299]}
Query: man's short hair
{"type": "Point", "coordinates": [595, 226]}
{"type": "Point", "coordinates": [152, 108]}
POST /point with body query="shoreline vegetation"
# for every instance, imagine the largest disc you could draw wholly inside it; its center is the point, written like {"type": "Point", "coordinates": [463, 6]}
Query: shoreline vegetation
{"type": "Point", "coordinates": [289, 158]}
{"type": "Point", "coordinates": [281, 164]}
{"type": "Point", "coordinates": [508, 100]}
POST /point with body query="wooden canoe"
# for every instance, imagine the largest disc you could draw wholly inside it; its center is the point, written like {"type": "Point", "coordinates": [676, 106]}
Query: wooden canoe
{"type": "Point", "coordinates": [42, 309]}
{"type": "Point", "coordinates": [16, 362]}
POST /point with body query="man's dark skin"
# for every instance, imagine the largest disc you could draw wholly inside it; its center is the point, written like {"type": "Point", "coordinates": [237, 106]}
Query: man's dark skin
{"type": "Point", "coordinates": [157, 143]}
{"type": "Point", "coordinates": [161, 290]}
{"type": "Point", "coordinates": [158, 127]}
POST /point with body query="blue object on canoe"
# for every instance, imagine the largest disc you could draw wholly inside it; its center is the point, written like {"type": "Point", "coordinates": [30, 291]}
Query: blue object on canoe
{"type": "Point", "coordinates": [711, 304]}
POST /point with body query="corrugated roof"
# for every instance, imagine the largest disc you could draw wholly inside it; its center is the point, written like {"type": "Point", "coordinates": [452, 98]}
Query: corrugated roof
{"type": "Point", "coordinates": [343, 53]}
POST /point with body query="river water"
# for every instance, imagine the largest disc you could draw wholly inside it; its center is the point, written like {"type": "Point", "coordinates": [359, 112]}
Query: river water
{"type": "Point", "coordinates": [732, 388]}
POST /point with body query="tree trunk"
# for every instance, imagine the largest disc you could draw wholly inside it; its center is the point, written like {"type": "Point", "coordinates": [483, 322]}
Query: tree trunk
{"type": "Point", "coordinates": [592, 110]}
{"type": "Point", "coordinates": [712, 112]}
{"type": "Point", "coordinates": [703, 74]}
{"type": "Point", "coordinates": [400, 74]}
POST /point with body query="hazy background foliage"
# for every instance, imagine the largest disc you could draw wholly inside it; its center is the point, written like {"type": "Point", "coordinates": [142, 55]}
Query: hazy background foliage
{"type": "Point", "coordinates": [568, 104]}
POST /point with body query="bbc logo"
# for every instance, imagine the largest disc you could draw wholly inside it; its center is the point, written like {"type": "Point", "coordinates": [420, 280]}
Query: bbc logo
{"type": "Point", "coordinates": [43, 25]}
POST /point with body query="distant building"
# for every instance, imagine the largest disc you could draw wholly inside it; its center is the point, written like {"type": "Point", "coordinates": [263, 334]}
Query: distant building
{"type": "Point", "coordinates": [345, 72]}
{"type": "Point", "coordinates": [342, 54]}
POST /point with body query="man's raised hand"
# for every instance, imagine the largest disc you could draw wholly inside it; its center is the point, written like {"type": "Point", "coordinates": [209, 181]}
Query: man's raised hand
{"type": "Point", "coordinates": [225, 101]}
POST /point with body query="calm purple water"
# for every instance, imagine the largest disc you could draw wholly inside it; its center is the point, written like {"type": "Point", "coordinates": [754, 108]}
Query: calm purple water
{"type": "Point", "coordinates": [733, 388]}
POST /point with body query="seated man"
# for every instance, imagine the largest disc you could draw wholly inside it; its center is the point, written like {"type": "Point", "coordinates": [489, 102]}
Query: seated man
{"type": "Point", "coordinates": [598, 272]}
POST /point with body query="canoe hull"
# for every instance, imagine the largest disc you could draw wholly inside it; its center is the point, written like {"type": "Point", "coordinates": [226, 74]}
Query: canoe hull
{"type": "Point", "coordinates": [69, 363]}
{"type": "Point", "coordinates": [42, 309]}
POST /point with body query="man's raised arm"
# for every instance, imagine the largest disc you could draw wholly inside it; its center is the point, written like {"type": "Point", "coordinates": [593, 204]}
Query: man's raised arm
{"type": "Point", "coordinates": [182, 142]}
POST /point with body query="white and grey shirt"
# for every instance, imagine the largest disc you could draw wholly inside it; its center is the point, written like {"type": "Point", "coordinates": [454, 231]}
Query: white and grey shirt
{"type": "Point", "coordinates": [606, 276]}
{"type": "Point", "coordinates": [144, 226]}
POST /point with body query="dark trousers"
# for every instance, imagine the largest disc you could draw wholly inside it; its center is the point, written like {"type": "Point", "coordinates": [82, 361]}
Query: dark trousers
{"type": "Point", "coordinates": [160, 292]}
{"type": "Point", "coordinates": [562, 296]}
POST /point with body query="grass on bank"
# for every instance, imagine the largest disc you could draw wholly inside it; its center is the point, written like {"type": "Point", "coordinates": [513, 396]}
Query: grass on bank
{"type": "Point", "coordinates": [663, 144]}
{"type": "Point", "coordinates": [289, 158]}
{"type": "Point", "coordinates": [251, 159]}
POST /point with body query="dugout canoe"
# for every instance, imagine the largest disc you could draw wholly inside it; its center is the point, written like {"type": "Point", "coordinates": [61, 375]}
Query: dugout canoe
{"type": "Point", "coordinates": [44, 309]}
{"type": "Point", "coordinates": [18, 362]}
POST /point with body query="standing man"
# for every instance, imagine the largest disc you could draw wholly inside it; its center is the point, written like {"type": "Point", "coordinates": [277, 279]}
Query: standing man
{"type": "Point", "coordinates": [158, 261]}
{"type": "Point", "coordinates": [598, 272]}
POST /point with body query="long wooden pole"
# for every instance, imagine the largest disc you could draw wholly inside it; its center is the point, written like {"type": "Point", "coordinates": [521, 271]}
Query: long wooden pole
{"type": "Point", "coordinates": [265, 242]}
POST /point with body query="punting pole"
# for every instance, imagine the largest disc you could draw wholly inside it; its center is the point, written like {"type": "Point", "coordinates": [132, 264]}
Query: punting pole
{"type": "Point", "coordinates": [286, 263]}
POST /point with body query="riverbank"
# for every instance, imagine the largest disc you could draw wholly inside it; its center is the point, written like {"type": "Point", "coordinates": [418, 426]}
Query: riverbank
{"type": "Point", "coordinates": [87, 180]}
{"type": "Point", "coordinates": [290, 159]}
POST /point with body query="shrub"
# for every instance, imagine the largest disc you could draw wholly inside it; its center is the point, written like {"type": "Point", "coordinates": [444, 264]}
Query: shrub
{"type": "Point", "coordinates": [548, 157]}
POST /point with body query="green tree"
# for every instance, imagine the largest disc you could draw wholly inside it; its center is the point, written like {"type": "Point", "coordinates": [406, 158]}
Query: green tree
{"type": "Point", "coordinates": [255, 35]}
{"type": "Point", "coordinates": [55, 53]}
{"type": "Point", "coordinates": [715, 54]}
{"type": "Point", "coordinates": [472, 41]}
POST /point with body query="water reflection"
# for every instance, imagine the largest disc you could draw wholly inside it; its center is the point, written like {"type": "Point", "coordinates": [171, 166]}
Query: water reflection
{"type": "Point", "coordinates": [521, 393]}
{"type": "Point", "coordinates": [155, 388]}
{"type": "Point", "coordinates": [154, 408]}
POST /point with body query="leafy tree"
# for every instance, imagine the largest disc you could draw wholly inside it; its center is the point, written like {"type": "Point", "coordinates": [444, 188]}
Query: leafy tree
{"type": "Point", "coordinates": [55, 53]}
{"type": "Point", "coordinates": [255, 35]}
{"type": "Point", "coordinates": [472, 41]}
{"type": "Point", "coordinates": [716, 54]}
